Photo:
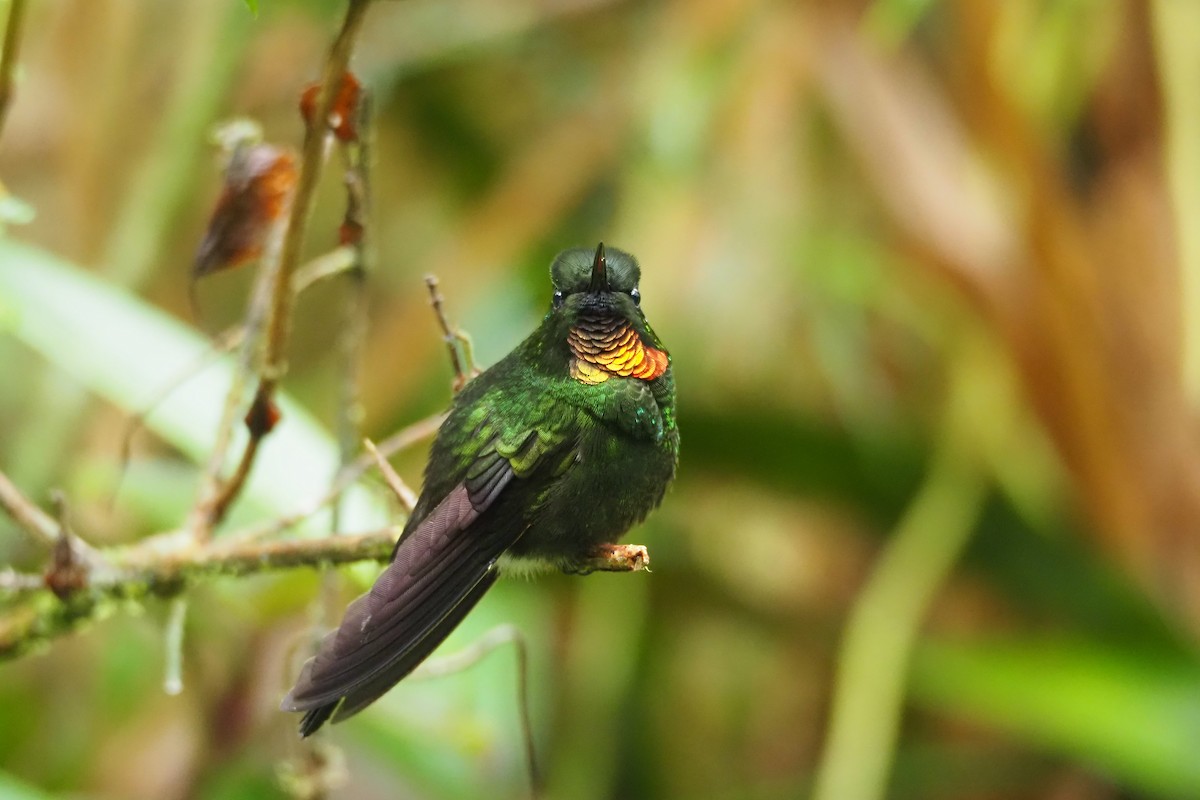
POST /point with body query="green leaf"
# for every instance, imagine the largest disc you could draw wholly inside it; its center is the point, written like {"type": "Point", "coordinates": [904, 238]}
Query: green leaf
{"type": "Point", "coordinates": [123, 350]}
{"type": "Point", "coordinates": [12, 789]}
{"type": "Point", "coordinates": [892, 21]}
{"type": "Point", "coordinates": [253, 6]}
{"type": "Point", "coordinates": [15, 211]}
{"type": "Point", "coordinates": [1128, 713]}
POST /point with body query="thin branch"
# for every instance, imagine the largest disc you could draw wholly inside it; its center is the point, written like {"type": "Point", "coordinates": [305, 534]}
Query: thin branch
{"type": "Point", "coordinates": [71, 561]}
{"type": "Point", "coordinates": [39, 526]}
{"type": "Point", "coordinates": [41, 619]}
{"type": "Point", "coordinates": [202, 520]}
{"type": "Point", "coordinates": [401, 440]}
{"type": "Point", "coordinates": [436, 301]}
{"type": "Point", "coordinates": [228, 491]}
{"type": "Point", "coordinates": [217, 498]}
{"type": "Point", "coordinates": [334, 262]}
{"type": "Point", "coordinates": [354, 235]}
{"type": "Point", "coordinates": [463, 363]}
{"type": "Point", "coordinates": [406, 496]}
{"type": "Point", "coordinates": [260, 420]}
{"type": "Point", "coordinates": [8, 59]}
{"type": "Point", "coordinates": [311, 164]}
{"type": "Point", "coordinates": [163, 567]}
{"type": "Point", "coordinates": [46, 531]}
{"type": "Point", "coordinates": [13, 582]}
{"type": "Point", "coordinates": [222, 558]}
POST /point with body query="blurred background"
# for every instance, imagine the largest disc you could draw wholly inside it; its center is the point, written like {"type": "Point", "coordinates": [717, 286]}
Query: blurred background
{"type": "Point", "coordinates": [929, 271]}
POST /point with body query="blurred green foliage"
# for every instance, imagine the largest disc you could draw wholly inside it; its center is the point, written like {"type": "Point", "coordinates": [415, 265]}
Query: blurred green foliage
{"type": "Point", "coordinates": [896, 248]}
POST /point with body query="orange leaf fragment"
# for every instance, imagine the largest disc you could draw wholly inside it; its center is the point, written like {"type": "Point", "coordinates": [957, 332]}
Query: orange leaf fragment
{"type": "Point", "coordinates": [343, 113]}
{"type": "Point", "coordinates": [259, 184]}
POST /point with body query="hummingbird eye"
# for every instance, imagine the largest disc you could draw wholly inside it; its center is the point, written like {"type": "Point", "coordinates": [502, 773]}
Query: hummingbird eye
{"type": "Point", "coordinates": [636, 296]}
{"type": "Point", "coordinates": [558, 299]}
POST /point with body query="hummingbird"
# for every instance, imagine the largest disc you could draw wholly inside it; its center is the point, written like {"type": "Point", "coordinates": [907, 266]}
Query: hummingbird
{"type": "Point", "coordinates": [544, 461]}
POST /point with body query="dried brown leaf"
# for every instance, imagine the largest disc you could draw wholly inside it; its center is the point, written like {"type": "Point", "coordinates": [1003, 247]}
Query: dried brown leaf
{"type": "Point", "coordinates": [259, 184]}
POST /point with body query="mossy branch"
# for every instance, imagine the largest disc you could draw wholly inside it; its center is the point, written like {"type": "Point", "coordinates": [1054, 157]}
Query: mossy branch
{"type": "Point", "coordinates": [161, 567]}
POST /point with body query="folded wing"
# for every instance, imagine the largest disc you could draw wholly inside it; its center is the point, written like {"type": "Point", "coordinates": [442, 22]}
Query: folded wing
{"type": "Point", "coordinates": [440, 570]}
{"type": "Point", "coordinates": [443, 564]}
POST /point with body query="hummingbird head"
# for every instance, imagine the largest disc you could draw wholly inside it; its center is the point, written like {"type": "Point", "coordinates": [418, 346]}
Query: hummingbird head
{"type": "Point", "coordinates": [596, 277]}
{"type": "Point", "coordinates": [597, 300]}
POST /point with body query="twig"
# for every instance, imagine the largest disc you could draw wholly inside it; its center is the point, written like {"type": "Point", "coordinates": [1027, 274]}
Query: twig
{"type": "Point", "coordinates": [278, 273]}
{"type": "Point", "coordinates": [469, 657]}
{"type": "Point", "coordinates": [39, 526]}
{"type": "Point", "coordinates": [332, 263]}
{"type": "Point", "coordinates": [43, 618]}
{"type": "Point", "coordinates": [462, 363]}
{"type": "Point", "coordinates": [354, 236]}
{"type": "Point", "coordinates": [13, 582]}
{"type": "Point", "coordinates": [260, 420]}
{"type": "Point", "coordinates": [406, 496]}
{"type": "Point", "coordinates": [212, 492]}
{"type": "Point", "coordinates": [336, 262]}
{"type": "Point", "coordinates": [244, 558]}
{"type": "Point", "coordinates": [402, 439]}
{"type": "Point", "coordinates": [311, 164]}
{"type": "Point", "coordinates": [436, 300]}
{"type": "Point", "coordinates": [70, 567]}
{"type": "Point", "coordinates": [71, 557]}
{"type": "Point", "coordinates": [164, 566]}
{"type": "Point", "coordinates": [8, 59]}
{"type": "Point", "coordinates": [228, 492]}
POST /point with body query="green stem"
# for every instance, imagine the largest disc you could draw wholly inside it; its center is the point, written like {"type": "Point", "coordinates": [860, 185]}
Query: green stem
{"type": "Point", "coordinates": [8, 58]}
{"type": "Point", "coordinates": [1175, 28]}
{"type": "Point", "coordinates": [875, 654]}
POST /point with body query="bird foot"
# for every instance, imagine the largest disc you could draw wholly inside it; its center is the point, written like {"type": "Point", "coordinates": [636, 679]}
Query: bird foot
{"type": "Point", "coordinates": [615, 558]}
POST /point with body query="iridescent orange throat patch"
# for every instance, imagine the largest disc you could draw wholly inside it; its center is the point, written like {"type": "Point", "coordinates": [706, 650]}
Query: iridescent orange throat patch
{"type": "Point", "coordinates": [602, 347]}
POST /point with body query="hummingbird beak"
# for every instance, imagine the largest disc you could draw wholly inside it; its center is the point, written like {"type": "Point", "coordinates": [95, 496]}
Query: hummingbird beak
{"type": "Point", "coordinates": [599, 271]}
